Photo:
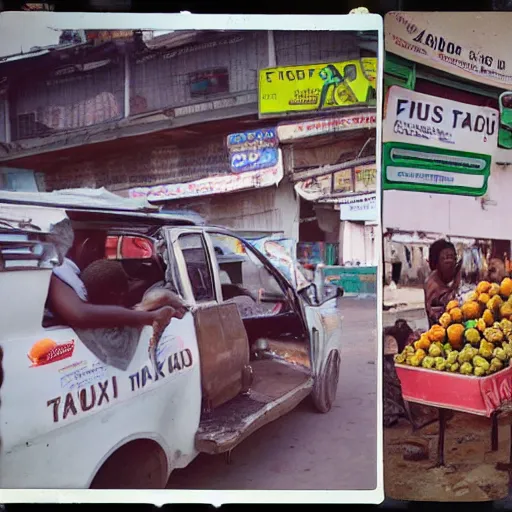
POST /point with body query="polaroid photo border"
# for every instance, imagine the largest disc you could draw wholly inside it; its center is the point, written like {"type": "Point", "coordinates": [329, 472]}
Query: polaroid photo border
{"type": "Point", "coordinates": [121, 21]}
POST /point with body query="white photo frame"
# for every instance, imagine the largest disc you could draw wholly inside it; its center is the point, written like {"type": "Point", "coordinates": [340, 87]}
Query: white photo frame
{"type": "Point", "coordinates": [124, 21]}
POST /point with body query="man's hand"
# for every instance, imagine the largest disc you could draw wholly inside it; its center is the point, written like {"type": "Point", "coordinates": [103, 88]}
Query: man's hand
{"type": "Point", "coordinates": [162, 317]}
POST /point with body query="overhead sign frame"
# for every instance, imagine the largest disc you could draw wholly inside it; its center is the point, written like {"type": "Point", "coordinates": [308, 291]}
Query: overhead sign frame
{"type": "Point", "coordinates": [434, 170]}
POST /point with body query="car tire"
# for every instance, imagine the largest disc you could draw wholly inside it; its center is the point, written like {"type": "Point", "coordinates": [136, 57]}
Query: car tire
{"type": "Point", "coordinates": [140, 464]}
{"type": "Point", "coordinates": [324, 393]}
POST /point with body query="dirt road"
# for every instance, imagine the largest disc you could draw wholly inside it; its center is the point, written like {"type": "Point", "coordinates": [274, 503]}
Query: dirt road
{"type": "Point", "coordinates": [470, 474]}
{"type": "Point", "coordinates": [305, 449]}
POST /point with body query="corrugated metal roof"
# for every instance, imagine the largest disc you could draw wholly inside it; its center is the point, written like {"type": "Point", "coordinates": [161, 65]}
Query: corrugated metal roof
{"type": "Point", "coordinates": [86, 198]}
{"type": "Point", "coordinates": [38, 52]}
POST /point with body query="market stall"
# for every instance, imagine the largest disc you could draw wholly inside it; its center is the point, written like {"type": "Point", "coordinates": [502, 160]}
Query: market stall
{"type": "Point", "coordinates": [464, 363]}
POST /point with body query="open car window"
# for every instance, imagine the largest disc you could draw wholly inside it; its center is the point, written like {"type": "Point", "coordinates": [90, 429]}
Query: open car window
{"type": "Point", "coordinates": [198, 266]}
{"type": "Point", "coordinates": [249, 279]}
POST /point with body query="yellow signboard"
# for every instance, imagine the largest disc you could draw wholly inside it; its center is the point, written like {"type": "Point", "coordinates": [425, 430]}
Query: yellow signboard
{"type": "Point", "coordinates": [343, 181]}
{"type": "Point", "coordinates": [366, 178]}
{"type": "Point", "coordinates": [317, 86]}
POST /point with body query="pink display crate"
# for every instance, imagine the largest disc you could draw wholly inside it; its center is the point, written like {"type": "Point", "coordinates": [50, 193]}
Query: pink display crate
{"type": "Point", "coordinates": [465, 393]}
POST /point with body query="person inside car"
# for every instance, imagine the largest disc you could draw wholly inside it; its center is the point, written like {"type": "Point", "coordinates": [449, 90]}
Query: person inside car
{"type": "Point", "coordinates": [68, 300]}
{"type": "Point", "coordinates": [110, 331]}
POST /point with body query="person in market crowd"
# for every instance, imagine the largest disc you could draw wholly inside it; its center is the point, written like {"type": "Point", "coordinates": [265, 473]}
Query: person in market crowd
{"type": "Point", "coordinates": [497, 270]}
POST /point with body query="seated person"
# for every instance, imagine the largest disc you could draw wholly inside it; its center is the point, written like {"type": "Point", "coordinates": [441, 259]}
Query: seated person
{"type": "Point", "coordinates": [91, 303]}
{"type": "Point", "coordinates": [68, 298]}
{"type": "Point", "coordinates": [107, 283]}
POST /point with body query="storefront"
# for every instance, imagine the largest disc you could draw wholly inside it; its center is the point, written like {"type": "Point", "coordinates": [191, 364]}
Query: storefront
{"type": "Point", "coordinates": [406, 255]}
{"type": "Point", "coordinates": [323, 157]}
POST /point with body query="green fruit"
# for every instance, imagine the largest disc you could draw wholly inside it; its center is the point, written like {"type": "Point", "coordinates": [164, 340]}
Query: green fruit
{"type": "Point", "coordinates": [466, 368]}
{"type": "Point", "coordinates": [480, 362]}
{"type": "Point", "coordinates": [479, 371]}
{"type": "Point", "coordinates": [464, 356]}
{"type": "Point", "coordinates": [500, 354]}
{"type": "Point", "coordinates": [428, 362]}
{"type": "Point", "coordinates": [440, 363]}
{"type": "Point", "coordinates": [399, 358]}
{"type": "Point", "coordinates": [451, 358]}
{"type": "Point", "coordinates": [434, 350]}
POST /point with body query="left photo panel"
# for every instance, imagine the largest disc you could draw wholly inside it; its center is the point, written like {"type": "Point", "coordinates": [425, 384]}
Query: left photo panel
{"type": "Point", "coordinates": [189, 254]}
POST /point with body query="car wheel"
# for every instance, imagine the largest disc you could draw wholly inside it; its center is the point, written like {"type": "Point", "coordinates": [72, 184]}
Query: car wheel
{"type": "Point", "coordinates": [140, 464]}
{"type": "Point", "coordinates": [325, 391]}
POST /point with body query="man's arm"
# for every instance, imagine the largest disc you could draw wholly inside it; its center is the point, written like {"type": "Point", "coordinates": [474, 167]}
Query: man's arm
{"type": "Point", "coordinates": [77, 313]}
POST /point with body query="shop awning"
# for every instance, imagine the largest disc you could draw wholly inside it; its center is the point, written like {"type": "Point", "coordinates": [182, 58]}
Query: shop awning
{"type": "Point", "coordinates": [212, 185]}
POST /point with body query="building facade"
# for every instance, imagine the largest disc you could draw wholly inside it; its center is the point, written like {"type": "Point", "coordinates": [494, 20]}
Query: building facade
{"type": "Point", "coordinates": [152, 116]}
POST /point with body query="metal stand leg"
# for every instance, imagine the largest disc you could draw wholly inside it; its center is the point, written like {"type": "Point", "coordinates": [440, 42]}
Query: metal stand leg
{"type": "Point", "coordinates": [494, 432]}
{"type": "Point", "coordinates": [440, 438]}
{"type": "Point", "coordinates": [228, 458]}
{"type": "Point", "coordinates": [510, 462]}
{"type": "Point", "coordinates": [407, 407]}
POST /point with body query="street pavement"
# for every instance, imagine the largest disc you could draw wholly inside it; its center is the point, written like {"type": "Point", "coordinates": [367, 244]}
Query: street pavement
{"type": "Point", "coordinates": [306, 450]}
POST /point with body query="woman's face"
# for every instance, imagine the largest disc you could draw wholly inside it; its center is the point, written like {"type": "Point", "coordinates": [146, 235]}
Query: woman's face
{"type": "Point", "coordinates": [447, 263]}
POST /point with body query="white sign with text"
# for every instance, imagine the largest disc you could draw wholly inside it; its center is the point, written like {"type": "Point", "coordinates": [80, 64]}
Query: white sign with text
{"type": "Point", "coordinates": [417, 118]}
{"type": "Point", "coordinates": [361, 207]}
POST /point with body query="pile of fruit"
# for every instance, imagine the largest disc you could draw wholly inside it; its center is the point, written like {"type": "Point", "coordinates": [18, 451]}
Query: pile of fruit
{"type": "Point", "coordinates": [472, 339]}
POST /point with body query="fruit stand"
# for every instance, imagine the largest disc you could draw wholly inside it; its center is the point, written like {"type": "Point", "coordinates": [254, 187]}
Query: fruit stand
{"type": "Point", "coordinates": [483, 396]}
{"type": "Point", "coordinates": [464, 363]}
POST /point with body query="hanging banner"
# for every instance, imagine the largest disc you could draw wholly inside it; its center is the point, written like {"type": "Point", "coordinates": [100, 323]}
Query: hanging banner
{"type": "Point", "coordinates": [361, 207]}
{"type": "Point", "coordinates": [253, 150]}
{"type": "Point", "coordinates": [213, 185]}
{"type": "Point", "coordinates": [311, 128]}
{"type": "Point", "coordinates": [343, 181]}
{"type": "Point", "coordinates": [417, 118]}
{"type": "Point", "coordinates": [365, 178]}
{"type": "Point", "coordinates": [314, 188]}
{"type": "Point", "coordinates": [472, 48]}
{"type": "Point", "coordinates": [317, 86]}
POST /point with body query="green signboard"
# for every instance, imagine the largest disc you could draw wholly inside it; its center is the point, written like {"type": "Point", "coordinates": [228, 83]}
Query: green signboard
{"type": "Point", "coordinates": [505, 131]}
{"type": "Point", "coordinates": [434, 170]}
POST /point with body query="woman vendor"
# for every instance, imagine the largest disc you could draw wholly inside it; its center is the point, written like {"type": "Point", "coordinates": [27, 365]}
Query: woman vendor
{"type": "Point", "coordinates": [444, 282]}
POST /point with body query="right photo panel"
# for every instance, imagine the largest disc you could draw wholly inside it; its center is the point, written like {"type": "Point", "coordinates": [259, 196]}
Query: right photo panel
{"type": "Point", "coordinates": [447, 232]}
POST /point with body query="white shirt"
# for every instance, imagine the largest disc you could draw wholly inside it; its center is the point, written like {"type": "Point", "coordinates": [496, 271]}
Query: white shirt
{"type": "Point", "coordinates": [69, 273]}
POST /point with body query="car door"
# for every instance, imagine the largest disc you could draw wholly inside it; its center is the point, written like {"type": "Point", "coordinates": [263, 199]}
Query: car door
{"type": "Point", "coordinates": [271, 308]}
{"type": "Point", "coordinates": [324, 322]}
{"type": "Point", "coordinates": [191, 266]}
